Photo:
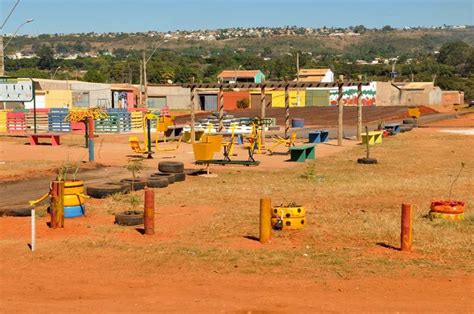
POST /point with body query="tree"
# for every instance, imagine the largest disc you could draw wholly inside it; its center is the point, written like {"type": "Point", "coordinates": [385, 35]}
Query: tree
{"type": "Point", "coordinates": [46, 58]}
{"type": "Point", "coordinates": [387, 28]}
{"type": "Point", "coordinates": [94, 76]}
{"type": "Point", "coordinates": [458, 54]}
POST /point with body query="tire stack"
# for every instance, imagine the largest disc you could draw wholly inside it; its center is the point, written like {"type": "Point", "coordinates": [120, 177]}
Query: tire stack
{"type": "Point", "coordinates": [447, 210]}
{"type": "Point", "coordinates": [169, 173]}
{"type": "Point", "coordinates": [106, 189]}
{"type": "Point", "coordinates": [288, 218]}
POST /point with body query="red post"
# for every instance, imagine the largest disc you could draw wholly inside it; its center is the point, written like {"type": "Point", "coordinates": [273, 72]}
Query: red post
{"type": "Point", "coordinates": [406, 236]}
{"type": "Point", "coordinates": [149, 212]}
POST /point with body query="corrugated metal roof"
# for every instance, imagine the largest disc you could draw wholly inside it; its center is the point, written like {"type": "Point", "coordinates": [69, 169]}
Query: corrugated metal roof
{"type": "Point", "coordinates": [238, 73]}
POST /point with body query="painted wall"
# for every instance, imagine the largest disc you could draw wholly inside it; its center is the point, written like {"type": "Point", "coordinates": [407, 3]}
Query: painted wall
{"type": "Point", "coordinates": [231, 99]}
{"type": "Point", "coordinates": [260, 77]}
{"type": "Point", "coordinates": [350, 95]}
{"type": "Point", "coordinates": [278, 98]}
{"type": "Point", "coordinates": [387, 94]}
{"type": "Point", "coordinates": [177, 97]}
{"type": "Point", "coordinates": [449, 98]}
{"type": "Point", "coordinates": [40, 101]}
{"type": "Point", "coordinates": [99, 93]}
{"type": "Point", "coordinates": [58, 99]}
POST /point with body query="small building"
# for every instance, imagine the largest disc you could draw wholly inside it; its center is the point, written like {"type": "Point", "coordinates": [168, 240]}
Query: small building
{"type": "Point", "coordinates": [175, 97]}
{"type": "Point", "coordinates": [241, 76]}
{"type": "Point", "coordinates": [125, 96]}
{"type": "Point", "coordinates": [316, 75]}
{"type": "Point", "coordinates": [452, 97]}
{"type": "Point", "coordinates": [420, 94]}
{"type": "Point", "coordinates": [233, 98]}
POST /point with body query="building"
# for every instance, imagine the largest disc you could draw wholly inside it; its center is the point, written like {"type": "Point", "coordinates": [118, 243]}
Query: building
{"type": "Point", "coordinates": [420, 94]}
{"type": "Point", "coordinates": [174, 97]}
{"type": "Point", "coordinates": [241, 76]}
{"type": "Point", "coordinates": [316, 75]}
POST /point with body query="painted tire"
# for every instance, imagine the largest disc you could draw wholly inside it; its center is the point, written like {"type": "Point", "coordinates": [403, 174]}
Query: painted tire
{"type": "Point", "coordinates": [74, 211]}
{"type": "Point", "coordinates": [291, 223]}
{"type": "Point", "coordinates": [289, 212]}
{"type": "Point", "coordinates": [447, 216]}
{"type": "Point", "coordinates": [73, 187]}
{"type": "Point", "coordinates": [447, 207]}
{"type": "Point", "coordinates": [73, 200]}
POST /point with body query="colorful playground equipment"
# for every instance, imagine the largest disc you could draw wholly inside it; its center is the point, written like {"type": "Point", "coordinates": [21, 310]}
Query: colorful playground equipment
{"type": "Point", "coordinates": [162, 123]}
{"type": "Point", "coordinates": [285, 142]}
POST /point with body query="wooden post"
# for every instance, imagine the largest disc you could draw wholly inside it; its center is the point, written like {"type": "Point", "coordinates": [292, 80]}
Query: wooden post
{"type": "Point", "coordinates": [192, 105]}
{"type": "Point", "coordinates": [340, 124]}
{"type": "Point", "coordinates": [149, 212]}
{"type": "Point", "coordinates": [287, 111]}
{"type": "Point", "coordinates": [262, 115]}
{"type": "Point", "coordinates": [57, 204]}
{"type": "Point", "coordinates": [265, 219]}
{"type": "Point", "coordinates": [359, 111]}
{"type": "Point", "coordinates": [406, 237]}
{"type": "Point", "coordinates": [221, 107]}
{"type": "Point", "coordinates": [367, 140]}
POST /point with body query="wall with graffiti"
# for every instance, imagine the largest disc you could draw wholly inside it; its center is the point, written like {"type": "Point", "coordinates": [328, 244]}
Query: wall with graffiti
{"type": "Point", "coordinates": [350, 95]}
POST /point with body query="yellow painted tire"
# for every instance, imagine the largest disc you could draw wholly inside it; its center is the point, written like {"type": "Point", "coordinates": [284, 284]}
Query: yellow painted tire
{"type": "Point", "coordinates": [73, 187]}
{"type": "Point", "coordinates": [73, 200]}
{"type": "Point", "coordinates": [289, 212]}
{"type": "Point", "coordinates": [291, 223]}
{"type": "Point", "coordinates": [447, 216]}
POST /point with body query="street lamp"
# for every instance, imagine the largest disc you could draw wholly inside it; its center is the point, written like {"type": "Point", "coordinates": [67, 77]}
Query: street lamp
{"type": "Point", "coordinates": [18, 28]}
{"type": "Point", "coordinates": [2, 66]}
{"type": "Point", "coordinates": [56, 71]}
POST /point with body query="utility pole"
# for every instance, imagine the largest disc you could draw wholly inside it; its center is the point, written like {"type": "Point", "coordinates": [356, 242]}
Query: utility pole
{"type": "Point", "coordinates": [145, 83]}
{"type": "Point", "coordinates": [141, 84]}
{"type": "Point", "coordinates": [298, 78]}
{"type": "Point", "coordinates": [2, 66]}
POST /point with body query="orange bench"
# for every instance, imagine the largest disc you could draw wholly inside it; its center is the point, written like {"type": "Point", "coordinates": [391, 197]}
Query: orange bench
{"type": "Point", "coordinates": [55, 138]}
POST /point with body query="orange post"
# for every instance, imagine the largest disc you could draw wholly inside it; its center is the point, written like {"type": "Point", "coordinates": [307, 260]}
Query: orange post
{"type": "Point", "coordinates": [149, 212]}
{"type": "Point", "coordinates": [406, 236]}
{"type": "Point", "coordinates": [57, 204]}
{"type": "Point", "coordinates": [265, 219]}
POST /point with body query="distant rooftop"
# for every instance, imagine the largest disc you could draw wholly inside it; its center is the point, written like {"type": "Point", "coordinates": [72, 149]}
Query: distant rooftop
{"type": "Point", "coordinates": [238, 73]}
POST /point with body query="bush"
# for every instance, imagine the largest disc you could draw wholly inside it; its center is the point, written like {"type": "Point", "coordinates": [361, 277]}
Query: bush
{"type": "Point", "coordinates": [243, 103]}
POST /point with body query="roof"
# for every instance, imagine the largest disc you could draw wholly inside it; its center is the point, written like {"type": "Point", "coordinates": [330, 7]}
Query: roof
{"type": "Point", "coordinates": [238, 73]}
{"type": "Point", "coordinates": [314, 72]}
{"type": "Point", "coordinates": [418, 85]}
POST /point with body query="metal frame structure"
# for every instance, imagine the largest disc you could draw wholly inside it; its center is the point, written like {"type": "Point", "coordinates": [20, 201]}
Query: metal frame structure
{"type": "Point", "coordinates": [279, 85]}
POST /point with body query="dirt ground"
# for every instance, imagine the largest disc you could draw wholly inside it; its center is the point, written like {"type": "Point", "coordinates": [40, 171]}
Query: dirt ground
{"type": "Point", "coordinates": [204, 256]}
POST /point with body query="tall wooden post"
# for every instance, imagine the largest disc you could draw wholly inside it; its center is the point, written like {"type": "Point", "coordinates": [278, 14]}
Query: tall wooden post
{"type": "Point", "coordinates": [265, 219]}
{"type": "Point", "coordinates": [57, 204]}
{"type": "Point", "coordinates": [340, 124]}
{"type": "Point", "coordinates": [221, 107]}
{"type": "Point", "coordinates": [262, 115]}
{"type": "Point", "coordinates": [145, 81]}
{"type": "Point", "coordinates": [149, 212]}
{"type": "Point", "coordinates": [287, 111]}
{"type": "Point", "coordinates": [90, 130]}
{"type": "Point", "coordinates": [192, 107]}
{"type": "Point", "coordinates": [359, 111]}
{"type": "Point", "coordinates": [406, 236]}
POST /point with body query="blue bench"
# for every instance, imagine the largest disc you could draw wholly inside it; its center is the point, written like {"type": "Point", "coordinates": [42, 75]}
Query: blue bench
{"type": "Point", "coordinates": [393, 128]}
{"type": "Point", "coordinates": [316, 137]}
{"type": "Point", "coordinates": [302, 152]}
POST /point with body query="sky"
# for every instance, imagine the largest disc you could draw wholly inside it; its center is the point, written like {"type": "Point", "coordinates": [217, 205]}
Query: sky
{"type": "Point", "coordinates": [70, 16]}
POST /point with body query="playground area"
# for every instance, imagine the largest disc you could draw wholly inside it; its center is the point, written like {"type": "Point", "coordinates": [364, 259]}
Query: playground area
{"type": "Point", "coordinates": [206, 253]}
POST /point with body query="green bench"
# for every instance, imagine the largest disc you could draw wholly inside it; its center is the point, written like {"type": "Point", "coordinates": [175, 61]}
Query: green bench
{"type": "Point", "coordinates": [302, 152]}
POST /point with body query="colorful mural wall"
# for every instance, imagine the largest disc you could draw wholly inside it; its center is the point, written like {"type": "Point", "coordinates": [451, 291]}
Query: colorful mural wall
{"type": "Point", "coordinates": [350, 95]}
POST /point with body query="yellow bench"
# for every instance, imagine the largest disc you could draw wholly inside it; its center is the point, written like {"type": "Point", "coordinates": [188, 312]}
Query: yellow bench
{"type": "Point", "coordinates": [374, 137]}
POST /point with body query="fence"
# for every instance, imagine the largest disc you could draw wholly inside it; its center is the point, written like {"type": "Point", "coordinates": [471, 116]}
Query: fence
{"type": "Point", "coordinates": [57, 122]}
{"type": "Point", "coordinates": [118, 120]}
{"type": "Point", "coordinates": [41, 120]}
{"type": "Point", "coordinates": [16, 122]}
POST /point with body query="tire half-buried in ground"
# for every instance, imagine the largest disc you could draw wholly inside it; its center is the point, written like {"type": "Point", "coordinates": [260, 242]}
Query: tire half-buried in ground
{"type": "Point", "coordinates": [367, 161]}
{"type": "Point", "coordinates": [179, 177]}
{"type": "Point", "coordinates": [170, 176]}
{"type": "Point", "coordinates": [171, 167]}
{"type": "Point", "coordinates": [157, 182]}
{"type": "Point", "coordinates": [16, 210]}
{"type": "Point", "coordinates": [138, 184]}
{"type": "Point", "coordinates": [105, 189]}
{"type": "Point", "coordinates": [129, 218]}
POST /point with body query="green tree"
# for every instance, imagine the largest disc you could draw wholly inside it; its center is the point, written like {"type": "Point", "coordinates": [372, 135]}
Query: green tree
{"type": "Point", "coordinates": [94, 76]}
{"type": "Point", "coordinates": [46, 58]}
